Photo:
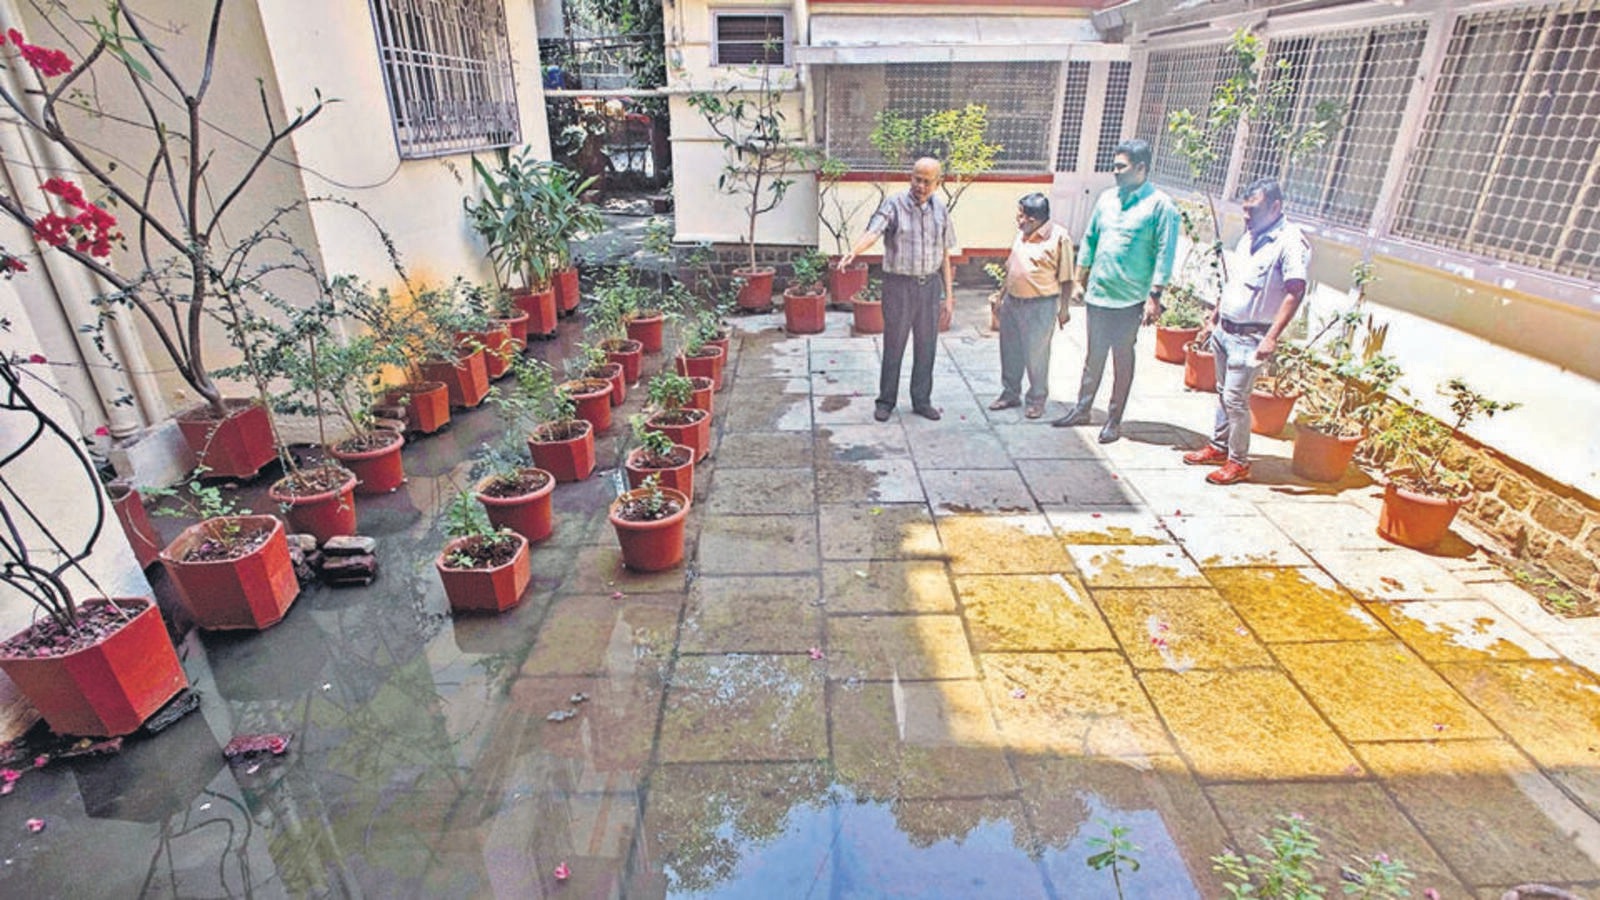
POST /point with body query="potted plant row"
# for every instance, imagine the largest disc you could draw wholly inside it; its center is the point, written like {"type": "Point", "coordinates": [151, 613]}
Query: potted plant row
{"type": "Point", "coordinates": [649, 522]}
{"type": "Point", "coordinates": [232, 569]}
{"type": "Point", "coordinates": [482, 568]}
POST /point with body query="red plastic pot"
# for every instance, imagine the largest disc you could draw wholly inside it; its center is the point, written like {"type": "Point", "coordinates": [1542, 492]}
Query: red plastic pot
{"type": "Point", "coordinates": [868, 316]}
{"type": "Point", "coordinates": [497, 349]}
{"type": "Point", "coordinates": [566, 289]}
{"type": "Point", "coordinates": [1416, 520]}
{"type": "Point", "coordinates": [611, 372]}
{"type": "Point", "coordinates": [253, 591]}
{"type": "Point", "coordinates": [541, 309]}
{"type": "Point", "coordinates": [651, 546]}
{"type": "Point", "coordinates": [805, 312]}
{"type": "Point", "coordinates": [1199, 369]}
{"type": "Point", "coordinates": [703, 364]}
{"type": "Point", "coordinates": [377, 471]}
{"type": "Point", "coordinates": [235, 447]}
{"type": "Point", "coordinates": [107, 689]}
{"type": "Point", "coordinates": [593, 398]}
{"type": "Point", "coordinates": [426, 405]}
{"type": "Point", "coordinates": [703, 391]}
{"type": "Point", "coordinates": [1270, 412]}
{"type": "Point", "coordinates": [127, 503]}
{"type": "Point", "coordinates": [568, 458]}
{"type": "Point", "coordinates": [720, 343]}
{"type": "Point", "coordinates": [466, 379]}
{"type": "Point", "coordinates": [322, 515]}
{"type": "Point", "coordinates": [756, 292]}
{"type": "Point", "coordinates": [1322, 457]}
{"type": "Point", "coordinates": [647, 331]}
{"type": "Point", "coordinates": [680, 478]}
{"type": "Point", "coordinates": [492, 590]}
{"type": "Point", "coordinates": [517, 326]}
{"type": "Point", "coordinates": [1171, 341]}
{"type": "Point", "coordinates": [627, 353]}
{"type": "Point", "coordinates": [528, 514]}
{"type": "Point", "coordinates": [694, 431]}
{"type": "Point", "coordinates": [845, 283]}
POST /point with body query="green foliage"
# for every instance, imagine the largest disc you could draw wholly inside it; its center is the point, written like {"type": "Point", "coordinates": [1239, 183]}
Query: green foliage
{"type": "Point", "coordinates": [831, 211]}
{"type": "Point", "coordinates": [1378, 878]}
{"type": "Point", "coordinates": [204, 502]}
{"type": "Point", "coordinates": [1116, 853]}
{"type": "Point", "coordinates": [1181, 308]}
{"type": "Point", "coordinates": [1415, 443]}
{"type": "Point", "coordinates": [465, 518]}
{"type": "Point", "coordinates": [669, 390]}
{"type": "Point", "coordinates": [653, 501]}
{"type": "Point", "coordinates": [872, 293]}
{"type": "Point", "coordinates": [528, 215]}
{"type": "Point", "coordinates": [655, 443]}
{"type": "Point", "coordinates": [1286, 872]}
{"type": "Point", "coordinates": [810, 271]}
{"type": "Point", "coordinates": [997, 272]}
{"type": "Point", "coordinates": [955, 137]}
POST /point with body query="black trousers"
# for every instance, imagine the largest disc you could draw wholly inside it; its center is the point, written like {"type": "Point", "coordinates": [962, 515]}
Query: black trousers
{"type": "Point", "coordinates": [1111, 331]}
{"type": "Point", "coordinates": [910, 310]}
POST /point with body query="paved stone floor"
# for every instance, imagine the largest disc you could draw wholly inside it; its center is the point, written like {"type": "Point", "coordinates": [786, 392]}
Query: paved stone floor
{"type": "Point", "coordinates": [907, 659]}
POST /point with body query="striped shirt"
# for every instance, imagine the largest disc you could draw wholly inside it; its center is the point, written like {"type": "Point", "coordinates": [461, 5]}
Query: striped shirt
{"type": "Point", "coordinates": [916, 238]}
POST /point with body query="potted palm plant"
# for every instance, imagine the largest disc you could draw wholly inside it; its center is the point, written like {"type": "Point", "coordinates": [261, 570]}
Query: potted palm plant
{"type": "Point", "coordinates": [656, 454]}
{"type": "Point", "coordinates": [561, 444]}
{"type": "Point", "coordinates": [569, 218]}
{"type": "Point", "coordinates": [483, 569]}
{"type": "Point", "coordinates": [510, 217]}
{"type": "Point", "coordinates": [232, 569]}
{"type": "Point", "coordinates": [649, 523]}
{"type": "Point", "coordinates": [669, 399]}
{"type": "Point", "coordinates": [805, 300]}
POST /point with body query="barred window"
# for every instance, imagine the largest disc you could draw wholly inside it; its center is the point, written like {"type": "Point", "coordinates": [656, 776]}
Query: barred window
{"type": "Point", "coordinates": [745, 39]}
{"type": "Point", "coordinates": [1017, 96]}
{"type": "Point", "coordinates": [1184, 79]}
{"type": "Point", "coordinates": [1365, 76]}
{"type": "Point", "coordinates": [1506, 164]}
{"type": "Point", "coordinates": [447, 68]}
{"type": "Point", "coordinates": [1073, 101]}
{"type": "Point", "coordinates": [1111, 120]}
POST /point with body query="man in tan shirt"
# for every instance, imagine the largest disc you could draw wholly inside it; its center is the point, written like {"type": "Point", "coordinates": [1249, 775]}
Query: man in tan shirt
{"type": "Point", "coordinates": [1039, 283]}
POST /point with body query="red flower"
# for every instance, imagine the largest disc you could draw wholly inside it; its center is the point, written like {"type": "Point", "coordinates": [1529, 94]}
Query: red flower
{"type": "Point", "coordinates": [38, 359]}
{"type": "Point", "coordinates": [11, 264]}
{"type": "Point", "coordinates": [103, 431]}
{"type": "Point", "coordinates": [46, 61]}
{"type": "Point", "coordinates": [90, 231]}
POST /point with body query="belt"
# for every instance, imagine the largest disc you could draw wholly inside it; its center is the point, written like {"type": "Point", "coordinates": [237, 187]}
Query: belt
{"type": "Point", "coordinates": [919, 279]}
{"type": "Point", "coordinates": [1244, 327]}
{"type": "Point", "coordinates": [1041, 297]}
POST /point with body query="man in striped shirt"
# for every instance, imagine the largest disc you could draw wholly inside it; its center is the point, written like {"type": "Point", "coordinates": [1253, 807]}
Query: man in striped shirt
{"type": "Point", "coordinates": [917, 281]}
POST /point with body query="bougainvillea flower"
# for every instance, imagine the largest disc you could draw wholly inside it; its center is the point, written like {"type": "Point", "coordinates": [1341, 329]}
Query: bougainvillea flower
{"type": "Point", "coordinates": [45, 61]}
{"type": "Point", "coordinates": [815, 652]}
{"type": "Point", "coordinates": [562, 873]}
{"type": "Point", "coordinates": [35, 825]}
{"type": "Point", "coordinates": [37, 359]}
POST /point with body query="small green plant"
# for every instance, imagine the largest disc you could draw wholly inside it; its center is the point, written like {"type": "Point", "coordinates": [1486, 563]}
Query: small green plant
{"type": "Point", "coordinates": [669, 390]}
{"type": "Point", "coordinates": [810, 272]}
{"type": "Point", "coordinates": [872, 293]}
{"type": "Point", "coordinates": [955, 137]}
{"type": "Point", "coordinates": [831, 211]}
{"type": "Point", "coordinates": [1286, 872]}
{"type": "Point", "coordinates": [1415, 443]}
{"type": "Point", "coordinates": [653, 502]}
{"type": "Point", "coordinates": [465, 518]}
{"type": "Point", "coordinates": [1378, 878]}
{"type": "Point", "coordinates": [1181, 308]}
{"type": "Point", "coordinates": [657, 446]}
{"type": "Point", "coordinates": [1116, 853]}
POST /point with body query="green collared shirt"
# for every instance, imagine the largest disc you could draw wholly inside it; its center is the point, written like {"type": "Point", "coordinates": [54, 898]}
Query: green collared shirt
{"type": "Point", "coordinates": [1129, 247]}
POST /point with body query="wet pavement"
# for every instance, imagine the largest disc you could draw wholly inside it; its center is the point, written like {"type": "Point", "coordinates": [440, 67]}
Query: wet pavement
{"type": "Point", "coordinates": [913, 659]}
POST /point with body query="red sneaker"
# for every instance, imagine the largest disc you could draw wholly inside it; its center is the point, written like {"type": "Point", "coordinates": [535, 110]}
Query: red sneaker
{"type": "Point", "coordinates": [1230, 473]}
{"type": "Point", "coordinates": [1208, 455]}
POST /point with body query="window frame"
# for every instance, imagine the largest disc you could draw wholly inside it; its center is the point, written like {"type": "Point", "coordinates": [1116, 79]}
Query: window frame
{"type": "Point", "coordinates": [787, 44]}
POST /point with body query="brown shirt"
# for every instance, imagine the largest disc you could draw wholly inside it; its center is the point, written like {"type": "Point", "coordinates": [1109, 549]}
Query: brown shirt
{"type": "Point", "coordinates": [1039, 263]}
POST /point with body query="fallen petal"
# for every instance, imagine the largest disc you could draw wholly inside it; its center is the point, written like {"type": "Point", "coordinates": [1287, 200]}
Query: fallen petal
{"type": "Point", "coordinates": [35, 825]}
{"type": "Point", "coordinates": [41, 760]}
{"type": "Point", "coordinates": [616, 595]}
{"type": "Point", "coordinates": [562, 873]}
{"type": "Point", "coordinates": [815, 652]}
{"type": "Point", "coordinates": [1019, 694]}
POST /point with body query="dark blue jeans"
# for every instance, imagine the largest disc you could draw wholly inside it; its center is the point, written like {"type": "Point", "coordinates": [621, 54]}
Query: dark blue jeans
{"type": "Point", "coordinates": [910, 310]}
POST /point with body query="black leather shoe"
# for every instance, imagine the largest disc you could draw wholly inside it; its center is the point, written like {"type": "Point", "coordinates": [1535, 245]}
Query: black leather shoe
{"type": "Point", "coordinates": [927, 412]}
{"type": "Point", "coordinates": [1111, 433]}
{"type": "Point", "coordinates": [1073, 417]}
{"type": "Point", "coordinates": [882, 413]}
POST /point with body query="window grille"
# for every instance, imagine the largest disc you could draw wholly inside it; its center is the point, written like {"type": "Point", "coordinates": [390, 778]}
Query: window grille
{"type": "Point", "coordinates": [447, 68]}
{"type": "Point", "coordinates": [745, 39]}
{"type": "Point", "coordinates": [1184, 79]}
{"type": "Point", "coordinates": [1508, 159]}
{"type": "Point", "coordinates": [1017, 96]}
{"type": "Point", "coordinates": [1073, 101]}
{"type": "Point", "coordinates": [1366, 75]}
{"type": "Point", "coordinates": [1116, 106]}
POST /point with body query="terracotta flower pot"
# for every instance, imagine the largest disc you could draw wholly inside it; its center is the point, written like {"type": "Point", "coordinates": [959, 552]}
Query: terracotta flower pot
{"type": "Point", "coordinates": [426, 405]}
{"type": "Point", "coordinates": [1171, 341]}
{"type": "Point", "coordinates": [593, 397]}
{"type": "Point", "coordinates": [756, 292]}
{"type": "Point", "coordinates": [1199, 369]}
{"type": "Point", "coordinates": [651, 546]}
{"type": "Point", "coordinates": [611, 372]}
{"type": "Point", "coordinates": [845, 283]}
{"type": "Point", "coordinates": [868, 316]}
{"type": "Point", "coordinates": [253, 591]}
{"type": "Point", "coordinates": [805, 312]}
{"type": "Point", "coordinates": [629, 354]}
{"type": "Point", "coordinates": [702, 365]}
{"type": "Point", "coordinates": [680, 477]}
{"type": "Point", "coordinates": [235, 447]}
{"type": "Point", "coordinates": [1322, 457]}
{"type": "Point", "coordinates": [497, 349]}
{"type": "Point", "coordinates": [493, 590]}
{"type": "Point", "coordinates": [720, 343]}
{"type": "Point", "coordinates": [517, 326]}
{"type": "Point", "coordinates": [106, 689]}
{"type": "Point", "coordinates": [703, 391]}
{"type": "Point", "coordinates": [541, 309]}
{"type": "Point", "coordinates": [127, 503]}
{"type": "Point", "coordinates": [1270, 412]}
{"type": "Point", "coordinates": [1416, 520]}
{"type": "Point", "coordinates": [566, 451]}
{"type": "Point", "coordinates": [527, 514]}
{"type": "Point", "coordinates": [378, 470]}
{"type": "Point", "coordinates": [691, 427]}
{"type": "Point", "coordinates": [566, 288]}
{"type": "Point", "coordinates": [323, 514]}
{"type": "Point", "coordinates": [466, 379]}
{"type": "Point", "coordinates": [647, 331]}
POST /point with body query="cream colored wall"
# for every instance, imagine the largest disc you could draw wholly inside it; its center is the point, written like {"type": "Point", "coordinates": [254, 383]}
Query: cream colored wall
{"type": "Point", "coordinates": [985, 216]}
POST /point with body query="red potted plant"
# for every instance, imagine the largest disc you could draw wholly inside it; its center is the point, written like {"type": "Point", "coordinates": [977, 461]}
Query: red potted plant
{"type": "Point", "coordinates": [592, 399]}
{"type": "Point", "coordinates": [318, 500]}
{"type": "Point", "coordinates": [613, 298]}
{"type": "Point", "coordinates": [511, 217]}
{"type": "Point", "coordinates": [867, 308]}
{"type": "Point", "coordinates": [128, 504]}
{"type": "Point", "coordinates": [1273, 396]}
{"type": "Point", "coordinates": [231, 569]}
{"type": "Point", "coordinates": [843, 283]}
{"type": "Point", "coordinates": [649, 524]}
{"type": "Point", "coordinates": [515, 495]}
{"type": "Point", "coordinates": [669, 398]}
{"type": "Point", "coordinates": [645, 325]}
{"type": "Point", "coordinates": [1199, 367]}
{"type": "Point", "coordinates": [701, 395]}
{"type": "Point", "coordinates": [1336, 417]}
{"type": "Point", "coordinates": [562, 444]}
{"type": "Point", "coordinates": [1178, 324]}
{"type": "Point", "coordinates": [706, 330]}
{"type": "Point", "coordinates": [698, 359]}
{"type": "Point", "coordinates": [598, 364]}
{"type": "Point", "coordinates": [656, 454]}
{"type": "Point", "coordinates": [805, 300]}
{"type": "Point", "coordinates": [483, 569]}
{"type": "Point", "coordinates": [426, 404]}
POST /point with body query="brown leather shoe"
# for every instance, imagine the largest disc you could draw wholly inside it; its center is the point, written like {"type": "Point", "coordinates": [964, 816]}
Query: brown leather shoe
{"type": "Point", "coordinates": [927, 412]}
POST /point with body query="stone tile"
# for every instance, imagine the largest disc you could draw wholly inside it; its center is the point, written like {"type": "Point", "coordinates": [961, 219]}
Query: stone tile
{"type": "Point", "coordinates": [744, 707]}
{"type": "Point", "coordinates": [754, 409]}
{"type": "Point", "coordinates": [1221, 541]}
{"type": "Point", "coordinates": [1247, 724]}
{"type": "Point", "coordinates": [887, 586]}
{"type": "Point", "coordinates": [1031, 612]}
{"type": "Point", "coordinates": [930, 848]}
{"type": "Point", "coordinates": [1523, 608]}
{"type": "Point", "coordinates": [887, 531]}
{"type": "Point", "coordinates": [788, 360]}
{"type": "Point", "coordinates": [822, 345]}
{"type": "Point", "coordinates": [844, 383]}
{"type": "Point", "coordinates": [1184, 491]}
{"type": "Point", "coordinates": [960, 449]}
{"type": "Point", "coordinates": [1353, 821]}
{"type": "Point", "coordinates": [599, 570]}
{"type": "Point", "coordinates": [917, 740]}
{"type": "Point", "coordinates": [750, 614]}
{"type": "Point", "coordinates": [598, 635]}
{"type": "Point", "coordinates": [1380, 691]}
{"type": "Point", "coordinates": [1077, 484]}
{"type": "Point", "coordinates": [761, 449]}
{"type": "Point", "coordinates": [881, 648]}
{"type": "Point", "coordinates": [853, 359]}
{"type": "Point", "coordinates": [1179, 629]}
{"type": "Point", "coordinates": [961, 491]}
{"type": "Point", "coordinates": [610, 737]}
{"type": "Point", "coordinates": [1037, 440]}
{"type": "Point", "coordinates": [1157, 565]}
{"type": "Point", "coordinates": [761, 491]}
{"type": "Point", "coordinates": [1106, 526]}
{"type": "Point", "coordinates": [1070, 802]}
{"type": "Point", "coordinates": [593, 831]}
{"type": "Point", "coordinates": [844, 409]}
{"type": "Point", "coordinates": [854, 443]}
{"type": "Point", "coordinates": [1007, 543]}
{"type": "Point", "coordinates": [758, 545]}
{"type": "Point", "coordinates": [1489, 813]}
{"type": "Point", "coordinates": [882, 480]}
{"type": "Point", "coordinates": [1323, 525]}
{"type": "Point", "coordinates": [1146, 445]}
{"type": "Point", "coordinates": [1393, 574]}
{"type": "Point", "coordinates": [1460, 631]}
{"type": "Point", "coordinates": [1072, 704]}
{"type": "Point", "coordinates": [1295, 605]}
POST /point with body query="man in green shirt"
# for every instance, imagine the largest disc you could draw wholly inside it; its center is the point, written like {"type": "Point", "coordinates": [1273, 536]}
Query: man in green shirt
{"type": "Point", "coordinates": [1124, 260]}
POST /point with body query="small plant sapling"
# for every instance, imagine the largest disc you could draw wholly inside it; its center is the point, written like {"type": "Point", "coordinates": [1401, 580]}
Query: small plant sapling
{"type": "Point", "coordinates": [1116, 853]}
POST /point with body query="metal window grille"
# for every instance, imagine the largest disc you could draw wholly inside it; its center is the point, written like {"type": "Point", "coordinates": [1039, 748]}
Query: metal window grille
{"type": "Point", "coordinates": [1184, 79]}
{"type": "Point", "coordinates": [1366, 76]}
{"type": "Point", "coordinates": [447, 68]}
{"type": "Point", "coordinates": [1015, 95]}
{"type": "Point", "coordinates": [1508, 159]}
{"type": "Point", "coordinates": [1116, 106]}
{"type": "Point", "coordinates": [1073, 101]}
{"type": "Point", "coordinates": [745, 39]}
